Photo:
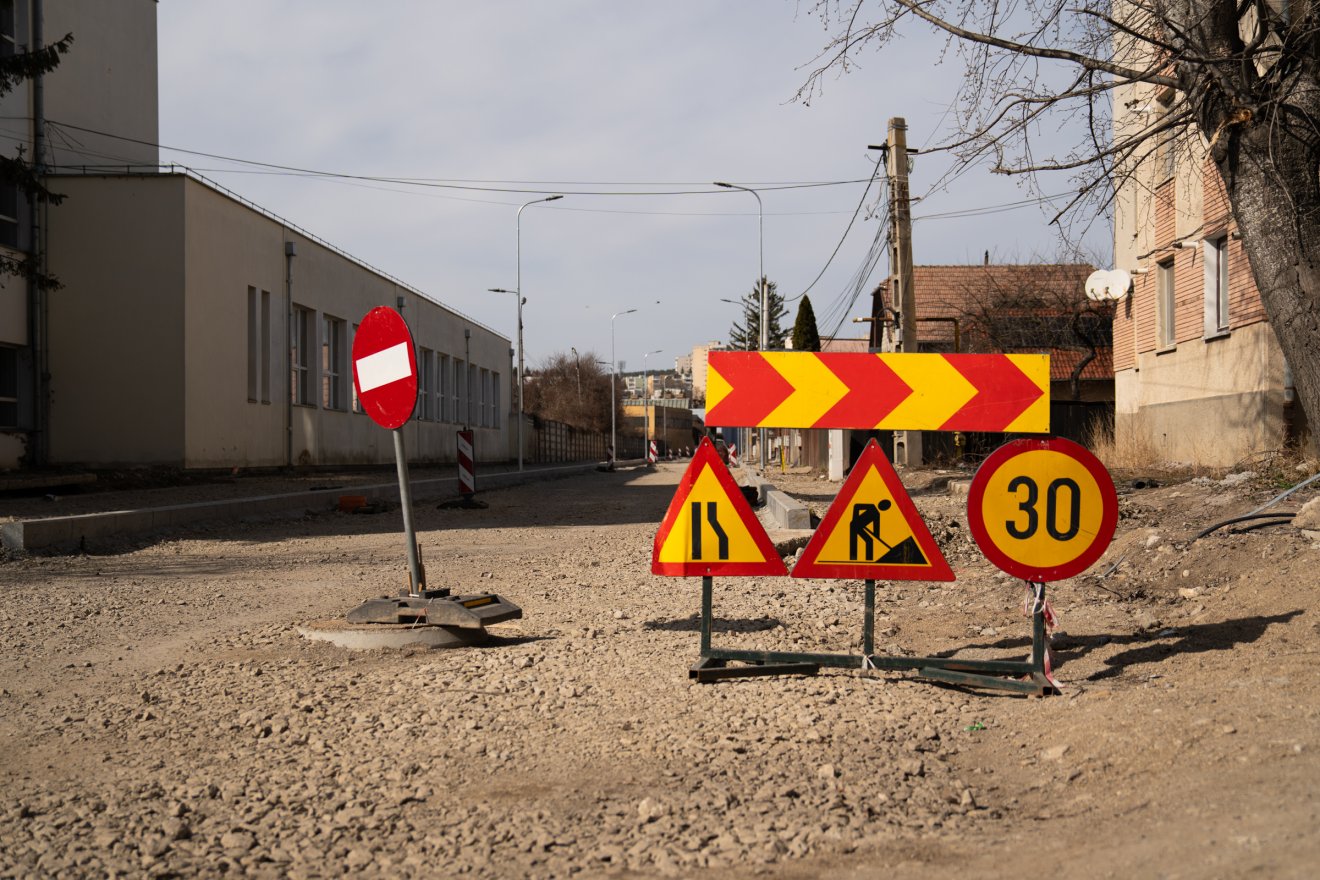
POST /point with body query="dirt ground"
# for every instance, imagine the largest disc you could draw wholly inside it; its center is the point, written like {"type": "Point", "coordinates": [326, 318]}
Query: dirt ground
{"type": "Point", "coordinates": [161, 716]}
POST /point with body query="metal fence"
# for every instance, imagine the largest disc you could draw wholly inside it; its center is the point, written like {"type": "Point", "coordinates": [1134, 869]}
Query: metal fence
{"type": "Point", "coordinates": [556, 442]}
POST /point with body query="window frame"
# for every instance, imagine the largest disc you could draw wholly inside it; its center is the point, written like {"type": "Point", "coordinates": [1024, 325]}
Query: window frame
{"type": "Point", "coordinates": [1217, 315]}
{"type": "Point", "coordinates": [1166, 332]}
{"type": "Point", "coordinates": [7, 399]}
{"type": "Point", "coordinates": [302, 331]}
{"type": "Point", "coordinates": [333, 331]}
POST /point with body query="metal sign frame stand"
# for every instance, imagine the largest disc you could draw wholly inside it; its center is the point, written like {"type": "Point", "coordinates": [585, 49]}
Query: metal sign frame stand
{"type": "Point", "coordinates": [1029, 675]}
{"type": "Point", "coordinates": [416, 573]}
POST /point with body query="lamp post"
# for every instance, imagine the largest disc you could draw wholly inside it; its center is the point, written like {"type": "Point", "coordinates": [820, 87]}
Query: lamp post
{"type": "Point", "coordinates": [577, 368]}
{"type": "Point", "coordinates": [646, 403]}
{"type": "Point", "coordinates": [517, 291]}
{"type": "Point", "coordinates": [764, 341]}
{"type": "Point", "coordinates": [614, 405]}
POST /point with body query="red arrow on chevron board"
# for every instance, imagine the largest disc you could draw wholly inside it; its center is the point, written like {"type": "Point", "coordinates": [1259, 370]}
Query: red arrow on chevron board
{"type": "Point", "coordinates": [906, 391]}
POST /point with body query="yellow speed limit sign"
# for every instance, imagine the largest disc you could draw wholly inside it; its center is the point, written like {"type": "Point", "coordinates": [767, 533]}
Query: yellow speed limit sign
{"type": "Point", "coordinates": [1042, 510]}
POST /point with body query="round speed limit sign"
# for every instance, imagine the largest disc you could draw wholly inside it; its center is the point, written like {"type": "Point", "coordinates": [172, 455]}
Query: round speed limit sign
{"type": "Point", "coordinates": [1042, 510]}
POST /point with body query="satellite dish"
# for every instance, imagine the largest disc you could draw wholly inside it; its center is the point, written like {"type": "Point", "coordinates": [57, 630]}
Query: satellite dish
{"type": "Point", "coordinates": [1103, 285]}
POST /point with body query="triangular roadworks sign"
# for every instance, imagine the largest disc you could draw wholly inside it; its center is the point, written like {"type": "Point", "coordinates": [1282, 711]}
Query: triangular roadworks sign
{"type": "Point", "coordinates": [872, 531]}
{"type": "Point", "coordinates": [710, 528]}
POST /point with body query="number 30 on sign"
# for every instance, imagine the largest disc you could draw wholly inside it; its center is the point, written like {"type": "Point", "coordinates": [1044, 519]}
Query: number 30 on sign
{"type": "Point", "coordinates": [1042, 510]}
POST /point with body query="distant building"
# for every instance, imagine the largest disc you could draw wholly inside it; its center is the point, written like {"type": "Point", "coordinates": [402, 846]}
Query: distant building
{"type": "Point", "coordinates": [699, 356]}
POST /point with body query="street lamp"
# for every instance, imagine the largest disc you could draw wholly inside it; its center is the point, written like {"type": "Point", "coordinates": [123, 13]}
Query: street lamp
{"type": "Point", "coordinates": [764, 341]}
{"type": "Point", "coordinates": [517, 291]}
{"type": "Point", "coordinates": [577, 368]}
{"type": "Point", "coordinates": [614, 368]}
{"type": "Point", "coordinates": [646, 404]}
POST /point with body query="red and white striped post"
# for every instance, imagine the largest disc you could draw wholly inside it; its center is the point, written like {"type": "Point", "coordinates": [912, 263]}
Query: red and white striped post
{"type": "Point", "coordinates": [467, 472]}
{"type": "Point", "coordinates": [651, 453]}
{"type": "Point", "coordinates": [733, 454]}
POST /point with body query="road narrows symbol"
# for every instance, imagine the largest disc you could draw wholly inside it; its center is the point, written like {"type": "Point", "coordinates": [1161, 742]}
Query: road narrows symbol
{"type": "Point", "coordinates": [710, 528]}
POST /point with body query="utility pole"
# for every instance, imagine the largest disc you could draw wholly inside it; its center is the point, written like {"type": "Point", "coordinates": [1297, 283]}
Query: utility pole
{"type": "Point", "coordinates": [907, 444]}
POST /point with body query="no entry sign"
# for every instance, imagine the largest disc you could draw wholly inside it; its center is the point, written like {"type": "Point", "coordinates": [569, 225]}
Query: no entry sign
{"type": "Point", "coordinates": [385, 368]}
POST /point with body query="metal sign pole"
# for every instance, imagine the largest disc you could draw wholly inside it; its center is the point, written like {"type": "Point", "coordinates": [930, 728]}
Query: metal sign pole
{"type": "Point", "coordinates": [868, 624]}
{"type": "Point", "coordinates": [416, 583]}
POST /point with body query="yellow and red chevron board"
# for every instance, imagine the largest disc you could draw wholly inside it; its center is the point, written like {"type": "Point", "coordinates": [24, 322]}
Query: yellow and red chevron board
{"type": "Point", "coordinates": [906, 391]}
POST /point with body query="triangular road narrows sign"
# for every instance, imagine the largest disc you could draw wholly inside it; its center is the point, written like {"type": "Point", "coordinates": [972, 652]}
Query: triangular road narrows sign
{"type": "Point", "coordinates": [710, 528]}
{"type": "Point", "coordinates": [872, 531]}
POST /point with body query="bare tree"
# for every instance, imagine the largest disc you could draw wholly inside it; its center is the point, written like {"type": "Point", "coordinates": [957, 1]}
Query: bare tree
{"type": "Point", "coordinates": [572, 389]}
{"type": "Point", "coordinates": [1239, 78]}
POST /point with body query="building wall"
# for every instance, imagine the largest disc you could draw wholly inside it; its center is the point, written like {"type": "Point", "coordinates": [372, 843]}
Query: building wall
{"type": "Point", "coordinates": [1216, 404]}
{"type": "Point", "coordinates": [1208, 396]}
{"type": "Point", "coordinates": [193, 260]}
{"type": "Point", "coordinates": [107, 82]}
{"type": "Point", "coordinates": [117, 325]}
{"type": "Point", "coordinates": [700, 353]}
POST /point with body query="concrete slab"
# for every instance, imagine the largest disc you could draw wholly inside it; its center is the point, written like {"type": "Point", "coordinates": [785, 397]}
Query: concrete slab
{"type": "Point", "coordinates": [785, 511]}
{"type": "Point", "coordinates": [375, 636]}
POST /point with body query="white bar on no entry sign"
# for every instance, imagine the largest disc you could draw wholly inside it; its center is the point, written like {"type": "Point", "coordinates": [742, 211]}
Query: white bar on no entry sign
{"type": "Point", "coordinates": [385, 366]}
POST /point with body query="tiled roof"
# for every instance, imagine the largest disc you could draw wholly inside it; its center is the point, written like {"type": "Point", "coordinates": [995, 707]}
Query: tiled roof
{"type": "Point", "coordinates": [1064, 360]}
{"type": "Point", "coordinates": [836, 344]}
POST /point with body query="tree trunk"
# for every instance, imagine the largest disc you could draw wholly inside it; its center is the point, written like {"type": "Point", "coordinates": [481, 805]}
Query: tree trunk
{"type": "Point", "coordinates": [1277, 208]}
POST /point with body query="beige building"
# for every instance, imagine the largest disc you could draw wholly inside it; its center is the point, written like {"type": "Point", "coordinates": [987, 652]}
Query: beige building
{"type": "Point", "coordinates": [200, 332]}
{"type": "Point", "coordinates": [700, 353]}
{"type": "Point", "coordinates": [98, 107]}
{"type": "Point", "coordinates": [194, 329]}
{"type": "Point", "coordinates": [1198, 371]}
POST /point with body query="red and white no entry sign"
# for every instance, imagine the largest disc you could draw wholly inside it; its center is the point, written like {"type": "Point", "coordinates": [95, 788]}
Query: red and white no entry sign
{"type": "Point", "coordinates": [385, 368]}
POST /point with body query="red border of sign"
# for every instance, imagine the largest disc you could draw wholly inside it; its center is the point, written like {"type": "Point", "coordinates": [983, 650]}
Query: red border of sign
{"type": "Point", "coordinates": [704, 457]}
{"type": "Point", "coordinates": [937, 567]}
{"type": "Point", "coordinates": [1108, 515]}
{"type": "Point", "coordinates": [392, 405]}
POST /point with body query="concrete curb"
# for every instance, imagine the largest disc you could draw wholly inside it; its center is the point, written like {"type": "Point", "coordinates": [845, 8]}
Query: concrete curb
{"type": "Point", "coordinates": [65, 532]}
{"type": "Point", "coordinates": [781, 509]}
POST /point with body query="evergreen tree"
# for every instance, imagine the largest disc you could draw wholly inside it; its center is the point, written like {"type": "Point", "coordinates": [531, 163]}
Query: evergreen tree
{"type": "Point", "coordinates": [17, 174]}
{"type": "Point", "coordinates": [746, 336]}
{"type": "Point", "coordinates": [805, 335]}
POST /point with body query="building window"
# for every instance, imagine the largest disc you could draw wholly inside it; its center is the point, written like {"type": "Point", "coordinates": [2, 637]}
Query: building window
{"type": "Point", "coordinates": [332, 363]}
{"type": "Point", "coordinates": [8, 29]}
{"type": "Point", "coordinates": [300, 356]}
{"type": "Point", "coordinates": [424, 410]}
{"type": "Point", "coordinates": [8, 387]}
{"type": "Point", "coordinates": [9, 214]}
{"type": "Point", "coordinates": [494, 400]}
{"type": "Point", "coordinates": [483, 398]}
{"type": "Point", "coordinates": [443, 406]}
{"type": "Point", "coordinates": [258, 345]}
{"type": "Point", "coordinates": [1216, 286]}
{"type": "Point", "coordinates": [473, 414]}
{"type": "Point", "coordinates": [357, 402]}
{"type": "Point", "coordinates": [1164, 293]}
{"type": "Point", "coordinates": [460, 392]}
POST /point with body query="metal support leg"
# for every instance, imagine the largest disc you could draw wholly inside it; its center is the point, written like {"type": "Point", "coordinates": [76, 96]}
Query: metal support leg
{"type": "Point", "coordinates": [707, 601]}
{"type": "Point", "coordinates": [416, 583]}
{"type": "Point", "coordinates": [868, 625]}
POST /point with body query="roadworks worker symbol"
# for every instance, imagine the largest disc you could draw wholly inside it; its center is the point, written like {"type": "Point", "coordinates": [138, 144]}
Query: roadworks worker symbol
{"type": "Point", "coordinates": [710, 528]}
{"type": "Point", "coordinates": [872, 531]}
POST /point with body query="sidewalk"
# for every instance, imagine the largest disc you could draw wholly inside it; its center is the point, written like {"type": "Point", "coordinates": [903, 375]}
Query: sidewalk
{"type": "Point", "coordinates": [70, 516]}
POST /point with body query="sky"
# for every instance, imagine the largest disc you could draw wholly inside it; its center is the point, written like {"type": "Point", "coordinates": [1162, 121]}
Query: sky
{"type": "Point", "coordinates": [631, 110]}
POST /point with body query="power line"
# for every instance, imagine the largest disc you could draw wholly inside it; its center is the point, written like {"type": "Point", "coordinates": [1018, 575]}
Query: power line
{"type": "Point", "coordinates": [512, 187]}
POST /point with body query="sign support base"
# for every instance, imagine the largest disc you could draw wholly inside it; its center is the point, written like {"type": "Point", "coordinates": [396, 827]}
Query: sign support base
{"type": "Point", "coordinates": [1015, 676]}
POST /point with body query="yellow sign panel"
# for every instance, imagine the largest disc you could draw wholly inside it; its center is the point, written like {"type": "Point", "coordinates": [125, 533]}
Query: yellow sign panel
{"type": "Point", "coordinates": [710, 528]}
{"type": "Point", "coordinates": [873, 531]}
{"type": "Point", "coordinates": [707, 528]}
